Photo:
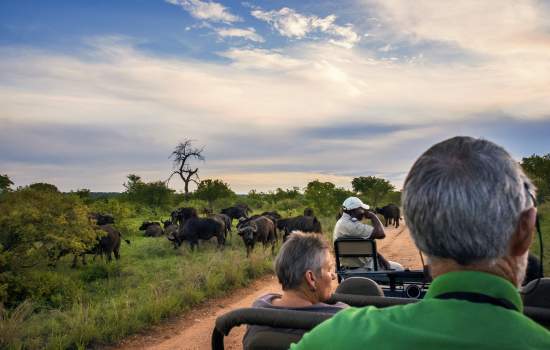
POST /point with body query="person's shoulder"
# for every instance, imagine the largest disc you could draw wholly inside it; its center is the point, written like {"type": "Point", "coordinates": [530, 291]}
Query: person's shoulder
{"type": "Point", "coordinates": [265, 300]}
{"type": "Point", "coordinates": [335, 332]}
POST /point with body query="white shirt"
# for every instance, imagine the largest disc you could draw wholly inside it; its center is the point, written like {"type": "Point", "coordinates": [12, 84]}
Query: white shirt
{"type": "Point", "coordinates": [351, 227]}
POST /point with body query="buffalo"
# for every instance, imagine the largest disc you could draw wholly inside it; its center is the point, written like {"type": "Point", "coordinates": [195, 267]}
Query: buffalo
{"type": "Point", "coordinates": [152, 229]}
{"type": "Point", "coordinates": [110, 243]}
{"type": "Point", "coordinates": [196, 228]}
{"type": "Point", "coordinates": [224, 220]}
{"type": "Point", "coordinates": [102, 219]}
{"type": "Point", "coordinates": [257, 229]}
{"type": "Point", "coordinates": [179, 215]}
{"type": "Point", "coordinates": [299, 223]}
{"type": "Point", "coordinates": [235, 212]}
{"type": "Point", "coordinates": [170, 228]}
{"type": "Point", "coordinates": [391, 214]}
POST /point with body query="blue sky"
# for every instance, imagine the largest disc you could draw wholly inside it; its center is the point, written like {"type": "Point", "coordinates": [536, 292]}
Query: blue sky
{"type": "Point", "coordinates": [278, 92]}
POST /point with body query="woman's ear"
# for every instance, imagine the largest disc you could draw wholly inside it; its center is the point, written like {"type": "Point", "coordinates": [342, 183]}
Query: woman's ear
{"type": "Point", "coordinates": [310, 280]}
{"type": "Point", "coordinates": [523, 236]}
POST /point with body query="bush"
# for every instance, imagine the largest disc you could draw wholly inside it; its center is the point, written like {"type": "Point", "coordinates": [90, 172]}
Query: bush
{"type": "Point", "coordinates": [38, 226]}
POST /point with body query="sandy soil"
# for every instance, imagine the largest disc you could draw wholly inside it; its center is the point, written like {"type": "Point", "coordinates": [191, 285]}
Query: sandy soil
{"type": "Point", "coordinates": [193, 330]}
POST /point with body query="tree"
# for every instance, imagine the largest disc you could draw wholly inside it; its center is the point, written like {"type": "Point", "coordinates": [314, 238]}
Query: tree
{"type": "Point", "coordinates": [152, 194]}
{"type": "Point", "coordinates": [182, 156]}
{"type": "Point", "coordinates": [210, 190]}
{"type": "Point", "coordinates": [538, 169]}
{"type": "Point", "coordinates": [372, 188]}
{"type": "Point", "coordinates": [325, 197]}
{"type": "Point", "coordinates": [5, 183]}
{"type": "Point", "coordinates": [38, 226]}
{"type": "Point", "coordinates": [43, 186]}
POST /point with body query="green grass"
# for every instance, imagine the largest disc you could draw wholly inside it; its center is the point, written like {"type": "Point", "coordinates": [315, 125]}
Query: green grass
{"type": "Point", "coordinates": [152, 281]}
{"type": "Point", "coordinates": [544, 218]}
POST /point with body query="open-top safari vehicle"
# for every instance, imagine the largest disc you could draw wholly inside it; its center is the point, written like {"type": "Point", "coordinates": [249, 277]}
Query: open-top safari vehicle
{"type": "Point", "coordinates": [358, 287]}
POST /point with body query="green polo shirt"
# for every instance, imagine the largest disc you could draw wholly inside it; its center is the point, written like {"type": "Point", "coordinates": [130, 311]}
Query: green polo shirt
{"type": "Point", "coordinates": [435, 323]}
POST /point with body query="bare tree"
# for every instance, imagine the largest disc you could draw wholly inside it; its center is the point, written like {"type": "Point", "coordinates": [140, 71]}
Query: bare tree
{"type": "Point", "coordinates": [181, 157]}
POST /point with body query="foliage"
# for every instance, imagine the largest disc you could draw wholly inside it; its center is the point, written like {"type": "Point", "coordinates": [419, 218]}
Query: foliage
{"type": "Point", "coordinates": [5, 183]}
{"type": "Point", "coordinates": [152, 281]}
{"type": "Point", "coordinates": [538, 169]}
{"type": "Point", "coordinates": [325, 197]}
{"type": "Point", "coordinates": [544, 218]}
{"type": "Point", "coordinates": [84, 194]}
{"type": "Point", "coordinates": [372, 188]}
{"type": "Point", "coordinates": [393, 197]}
{"type": "Point", "coordinates": [42, 186]}
{"type": "Point", "coordinates": [38, 225]}
{"type": "Point", "coordinates": [152, 194]}
{"type": "Point", "coordinates": [210, 190]}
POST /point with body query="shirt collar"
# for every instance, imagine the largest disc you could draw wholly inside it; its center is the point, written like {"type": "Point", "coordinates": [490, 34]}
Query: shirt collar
{"type": "Point", "coordinates": [475, 282]}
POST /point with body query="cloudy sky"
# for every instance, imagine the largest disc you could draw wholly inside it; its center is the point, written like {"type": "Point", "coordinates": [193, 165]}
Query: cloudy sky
{"type": "Point", "coordinates": [278, 92]}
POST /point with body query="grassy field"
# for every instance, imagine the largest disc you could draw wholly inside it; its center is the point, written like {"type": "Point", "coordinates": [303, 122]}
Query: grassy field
{"type": "Point", "coordinates": [544, 218]}
{"type": "Point", "coordinates": [102, 303]}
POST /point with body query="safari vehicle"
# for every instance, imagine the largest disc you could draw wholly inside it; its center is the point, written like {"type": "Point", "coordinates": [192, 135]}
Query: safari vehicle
{"type": "Point", "coordinates": [405, 284]}
{"type": "Point", "coordinates": [536, 306]}
{"type": "Point", "coordinates": [358, 286]}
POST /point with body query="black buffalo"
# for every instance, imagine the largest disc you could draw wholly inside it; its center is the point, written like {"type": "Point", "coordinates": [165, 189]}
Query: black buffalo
{"type": "Point", "coordinates": [299, 223]}
{"type": "Point", "coordinates": [109, 243]}
{"type": "Point", "coordinates": [257, 229]}
{"type": "Point", "coordinates": [179, 215]}
{"type": "Point", "coordinates": [102, 219]}
{"type": "Point", "coordinates": [235, 212]}
{"type": "Point", "coordinates": [224, 220]}
{"type": "Point", "coordinates": [170, 229]}
{"type": "Point", "coordinates": [196, 228]}
{"type": "Point", "coordinates": [152, 229]}
{"type": "Point", "coordinates": [391, 214]}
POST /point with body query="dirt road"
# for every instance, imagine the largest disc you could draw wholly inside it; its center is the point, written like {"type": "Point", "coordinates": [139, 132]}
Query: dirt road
{"type": "Point", "coordinates": [193, 330]}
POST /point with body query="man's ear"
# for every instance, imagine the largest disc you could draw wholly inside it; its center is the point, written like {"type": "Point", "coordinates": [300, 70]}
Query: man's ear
{"type": "Point", "coordinates": [310, 279]}
{"type": "Point", "coordinates": [523, 236]}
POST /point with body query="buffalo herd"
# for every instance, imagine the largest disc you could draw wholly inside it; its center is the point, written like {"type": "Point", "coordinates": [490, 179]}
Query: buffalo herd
{"type": "Point", "coordinates": [185, 224]}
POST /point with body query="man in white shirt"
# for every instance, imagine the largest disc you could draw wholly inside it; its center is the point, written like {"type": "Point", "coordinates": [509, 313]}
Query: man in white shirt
{"type": "Point", "coordinates": [350, 225]}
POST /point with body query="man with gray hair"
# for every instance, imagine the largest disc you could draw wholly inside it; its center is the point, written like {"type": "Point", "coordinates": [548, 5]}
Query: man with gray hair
{"type": "Point", "coordinates": [469, 208]}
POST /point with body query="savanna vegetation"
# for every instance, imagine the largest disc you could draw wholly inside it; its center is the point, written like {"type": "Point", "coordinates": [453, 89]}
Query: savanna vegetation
{"type": "Point", "coordinates": [44, 303]}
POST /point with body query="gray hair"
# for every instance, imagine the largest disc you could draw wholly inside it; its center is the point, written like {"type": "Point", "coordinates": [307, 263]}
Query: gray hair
{"type": "Point", "coordinates": [462, 200]}
{"type": "Point", "coordinates": [301, 252]}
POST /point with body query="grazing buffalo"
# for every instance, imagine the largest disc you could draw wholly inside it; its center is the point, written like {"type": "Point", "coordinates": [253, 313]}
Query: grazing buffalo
{"type": "Point", "coordinates": [224, 220]}
{"type": "Point", "coordinates": [273, 215]}
{"type": "Point", "coordinates": [102, 219]}
{"type": "Point", "coordinates": [196, 228]}
{"type": "Point", "coordinates": [179, 215]}
{"type": "Point", "coordinates": [110, 243]}
{"type": "Point", "coordinates": [391, 214]}
{"type": "Point", "coordinates": [235, 212]}
{"type": "Point", "coordinates": [170, 229]}
{"type": "Point", "coordinates": [257, 229]}
{"type": "Point", "coordinates": [299, 223]}
{"type": "Point", "coordinates": [152, 229]}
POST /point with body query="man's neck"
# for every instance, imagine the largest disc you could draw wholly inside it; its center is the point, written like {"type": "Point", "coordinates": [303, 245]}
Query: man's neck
{"type": "Point", "coordinates": [294, 298]}
{"type": "Point", "coordinates": [505, 267]}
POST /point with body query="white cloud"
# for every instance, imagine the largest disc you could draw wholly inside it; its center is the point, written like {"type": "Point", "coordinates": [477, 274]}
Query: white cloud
{"type": "Point", "coordinates": [292, 24]}
{"type": "Point", "coordinates": [156, 101]}
{"type": "Point", "coordinates": [492, 27]}
{"type": "Point", "coordinates": [206, 10]}
{"type": "Point", "coordinates": [248, 34]}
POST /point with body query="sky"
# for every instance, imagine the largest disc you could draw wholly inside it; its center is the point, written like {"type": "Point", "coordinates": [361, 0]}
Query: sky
{"type": "Point", "coordinates": [279, 93]}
